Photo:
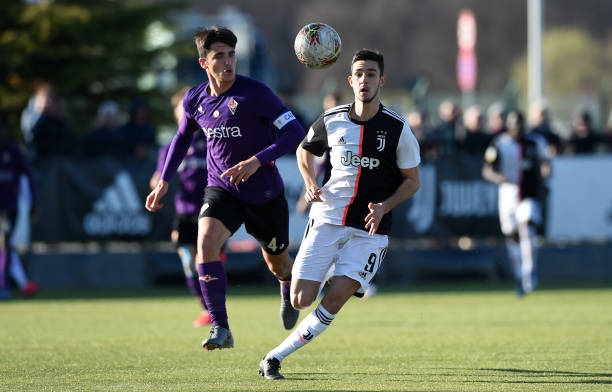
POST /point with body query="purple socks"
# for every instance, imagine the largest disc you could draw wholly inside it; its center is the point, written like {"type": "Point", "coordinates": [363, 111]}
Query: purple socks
{"type": "Point", "coordinates": [285, 288]}
{"type": "Point", "coordinates": [213, 282]}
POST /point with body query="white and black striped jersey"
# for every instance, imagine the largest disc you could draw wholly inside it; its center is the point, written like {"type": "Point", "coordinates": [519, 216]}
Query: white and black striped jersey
{"type": "Point", "coordinates": [519, 161]}
{"type": "Point", "coordinates": [365, 160]}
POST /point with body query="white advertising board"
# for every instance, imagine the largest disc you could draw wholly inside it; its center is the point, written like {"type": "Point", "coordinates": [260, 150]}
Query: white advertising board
{"type": "Point", "coordinates": [580, 199]}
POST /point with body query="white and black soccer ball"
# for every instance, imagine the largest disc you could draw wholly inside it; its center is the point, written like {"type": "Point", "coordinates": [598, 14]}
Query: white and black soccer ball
{"type": "Point", "coordinates": [317, 45]}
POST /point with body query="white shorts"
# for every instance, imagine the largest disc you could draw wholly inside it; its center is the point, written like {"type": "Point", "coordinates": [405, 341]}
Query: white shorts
{"type": "Point", "coordinates": [348, 251]}
{"type": "Point", "coordinates": [513, 211]}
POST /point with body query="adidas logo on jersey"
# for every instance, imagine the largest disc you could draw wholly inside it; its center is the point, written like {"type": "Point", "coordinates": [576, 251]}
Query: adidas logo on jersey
{"type": "Point", "coordinates": [118, 211]}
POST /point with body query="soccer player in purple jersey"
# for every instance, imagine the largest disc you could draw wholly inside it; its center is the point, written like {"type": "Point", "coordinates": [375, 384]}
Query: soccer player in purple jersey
{"type": "Point", "coordinates": [247, 128]}
{"type": "Point", "coordinates": [13, 164]}
{"type": "Point", "coordinates": [187, 202]}
{"type": "Point", "coordinates": [374, 161]}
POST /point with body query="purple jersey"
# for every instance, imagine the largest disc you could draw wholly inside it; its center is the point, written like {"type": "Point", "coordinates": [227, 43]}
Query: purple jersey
{"type": "Point", "coordinates": [192, 175]}
{"type": "Point", "coordinates": [247, 120]}
{"type": "Point", "coordinates": [13, 164]}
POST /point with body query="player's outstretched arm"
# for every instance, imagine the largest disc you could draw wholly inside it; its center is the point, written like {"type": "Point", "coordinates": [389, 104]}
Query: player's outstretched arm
{"type": "Point", "coordinates": [153, 199]}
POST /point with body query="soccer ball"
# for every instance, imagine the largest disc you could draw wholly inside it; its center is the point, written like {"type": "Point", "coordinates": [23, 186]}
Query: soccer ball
{"type": "Point", "coordinates": [317, 45]}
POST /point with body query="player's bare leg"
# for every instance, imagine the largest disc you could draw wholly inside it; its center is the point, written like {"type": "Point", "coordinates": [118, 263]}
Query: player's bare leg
{"type": "Point", "coordinates": [304, 292]}
{"type": "Point", "coordinates": [340, 290]}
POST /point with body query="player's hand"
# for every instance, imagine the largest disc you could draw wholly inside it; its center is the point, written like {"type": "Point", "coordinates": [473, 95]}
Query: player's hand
{"type": "Point", "coordinates": [377, 211]}
{"type": "Point", "coordinates": [153, 199]}
{"type": "Point", "coordinates": [313, 194]}
{"type": "Point", "coordinates": [242, 171]}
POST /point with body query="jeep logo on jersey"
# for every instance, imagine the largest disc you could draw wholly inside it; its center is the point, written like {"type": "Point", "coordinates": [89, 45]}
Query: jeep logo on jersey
{"type": "Point", "coordinates": [350, 159]}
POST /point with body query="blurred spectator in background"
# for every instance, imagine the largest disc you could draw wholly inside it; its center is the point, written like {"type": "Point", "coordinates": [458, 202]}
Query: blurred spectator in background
{"type": "Point", "coordinates": [583, 139]}
{"type": "Point", "coordinates": [417, 119]}
{"type": "Point", "coordinates": [287, 95]}
{"type": "Point", "coordinates": [138, 133]}
{"type": "Point", "coordinates": [443, 138]}
{"type": "Point", "coordinates": [496, 119]}
{"type": "Point", "coordinates": [53, 135]}
{"type": "Point", "coordinates": [103, 139]}
{"type": "Point", "coordinates": [476, 139]}
{"type": "Point", "coordinates": [331, 100]}
{"type": "Point", "coordinates": [540, 123]}
{"type": "Point", "coordinates": [514, 161]}
{"type": "Point", "coordinates": [13, 166]}
{"type": "Point", "coordinates": [32, 112]}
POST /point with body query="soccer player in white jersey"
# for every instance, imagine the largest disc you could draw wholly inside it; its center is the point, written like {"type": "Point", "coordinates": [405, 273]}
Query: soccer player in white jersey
{"type": "Point", "coordinates": [374, 161]}
{"type": "Point", "coordinates": [516, 161]}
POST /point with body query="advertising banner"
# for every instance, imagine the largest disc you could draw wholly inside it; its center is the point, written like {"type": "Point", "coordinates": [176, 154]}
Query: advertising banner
{"type": "Point", "coordinates": [103, 200]}
{"type": "Point", "coordinates": [580, 202]}
{"type": "Point", "coordinates": [97, 200]}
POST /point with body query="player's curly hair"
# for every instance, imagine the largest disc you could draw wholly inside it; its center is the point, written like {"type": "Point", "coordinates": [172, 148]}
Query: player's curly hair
{"type": "Point", "coordinates": [370, 54]}
{"type": "Point", "coordinates": [207, 36]}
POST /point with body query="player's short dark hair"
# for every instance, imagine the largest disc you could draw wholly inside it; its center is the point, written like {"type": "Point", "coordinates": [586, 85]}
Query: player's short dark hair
{"type": "Point", "coordinates": [207, 36]}
{"type": "Point", "coordinates": [369, 54]}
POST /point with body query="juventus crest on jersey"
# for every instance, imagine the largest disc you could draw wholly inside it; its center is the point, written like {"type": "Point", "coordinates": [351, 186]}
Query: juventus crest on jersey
{"type": "Point", "coordinates": [365, 160]}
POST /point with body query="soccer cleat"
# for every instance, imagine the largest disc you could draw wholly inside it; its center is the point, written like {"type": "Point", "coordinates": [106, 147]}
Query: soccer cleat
{"type": "Point", "coordinates": [202, 320]}
{"type": "Point", "coordinates": [30, 288]}
{"type": "Point", "coordinates": [269, 368]}
{"type": "Point", "coordinates": [219, 338]}
{"type": "Point", "coordinates": [289, 316]}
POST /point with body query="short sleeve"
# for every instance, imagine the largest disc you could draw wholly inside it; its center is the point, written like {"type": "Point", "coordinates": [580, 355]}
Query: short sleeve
{"type": "Point", "coordinates": [408, 153]}
{"type": "Point", "coordinates": [316, 138]}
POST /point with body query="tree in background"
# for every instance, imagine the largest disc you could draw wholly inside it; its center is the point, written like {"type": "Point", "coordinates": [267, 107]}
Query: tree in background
{"type": "Point", "coordinates": [574, 62]}
{"type": "Point", "coordinates": [92, 51]}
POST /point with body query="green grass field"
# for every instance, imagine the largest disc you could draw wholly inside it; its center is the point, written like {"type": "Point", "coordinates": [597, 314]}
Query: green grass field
{"type": "Point", "coordinates": [425, 338]}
